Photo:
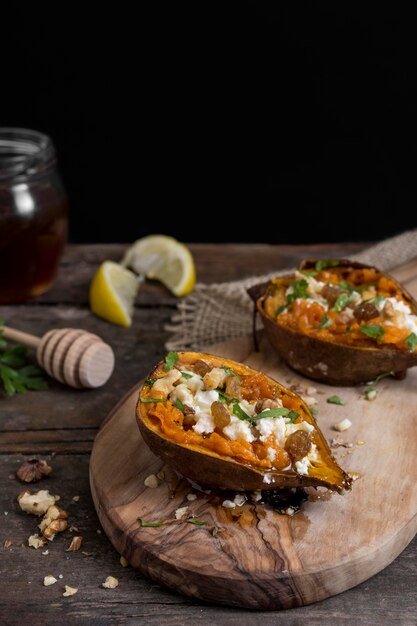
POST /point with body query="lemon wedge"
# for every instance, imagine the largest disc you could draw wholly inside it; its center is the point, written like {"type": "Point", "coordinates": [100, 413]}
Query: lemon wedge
{"type": "Point", "coordinates": [165, 259]}
{"type": "Point", "coordinates": [112, 293]}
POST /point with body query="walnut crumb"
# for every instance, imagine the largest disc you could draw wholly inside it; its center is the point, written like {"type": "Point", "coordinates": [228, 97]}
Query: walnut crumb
{"type": "Point", "coordinates": [151, 481]}
{"type": "Point", "coordinates": [36, 503]}
{"type": "Point", "coordinates": [32, 470]}
{"type": "Point", "coordinates": [69, 591]}
{"type": "Point", "coordinates": [12, 477]}
{"type": "Point", "coordinates": [161, 475]}
{"type": "Point", "coordinates": [337, 443]}
{"type": "Point", "coordinates": [75, 544]}
{"type": "Point", "coordinates": [49, 580]}
{"type": "Point", "coordinates": [7, 543]}
{"type": "Point", "coordinates": [45, 553]}
{"type": "Point", "coordinates": [54, 521]}
{"type": "Point", "coordinates": [76, 498]}
{"type": "Point", "coordinates": [36, 541]}
{"type": "Point", "coordinates": [73, 529]}
{"type": "Point", "coordinates": [191, 497]}
{"type": "Point", "coordinates": [110, 583]}
{"type": "Point", "coordinates": [124, 562]}
{"type": "Point", "coordinates": [179, 513]}
{"type": "Point", "coordinates": [360, 442]}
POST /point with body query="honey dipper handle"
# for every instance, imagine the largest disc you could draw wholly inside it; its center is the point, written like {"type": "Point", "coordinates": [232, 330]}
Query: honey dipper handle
{"type": "Point", "coordinates": [20, 337]}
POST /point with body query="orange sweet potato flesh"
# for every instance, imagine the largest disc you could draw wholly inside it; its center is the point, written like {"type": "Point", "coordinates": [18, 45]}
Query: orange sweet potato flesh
{"type": "Point", "coordinates": [332, 355]}
{"type": "Point", "coordinates": [218, 462]}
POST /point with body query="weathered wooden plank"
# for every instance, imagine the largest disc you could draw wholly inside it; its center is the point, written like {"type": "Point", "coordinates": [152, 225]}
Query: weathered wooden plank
{"type": "Point", "coordinates": [214, 263]}
{"type": "Point", "coordinates": [136, 348]}
{"type": "Point", "coordinates": [388, 598]}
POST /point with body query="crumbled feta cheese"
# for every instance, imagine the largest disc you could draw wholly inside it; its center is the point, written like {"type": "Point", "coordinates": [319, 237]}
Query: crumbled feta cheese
{"type": "Point", "coordinates": [313, 455]}
{"type": "Point", "coordinates": [239, 429]}
{"type": "Point", "coordinates": [343, 425]}
{"type": "Point", "coordinates": [239, 499]}
{"type": "Point", "coordinates": [256, 495]}
{"type": "Point", "coordinates": [291, 428]}
{"type": "Point", "coordinates": [275, 426]}
{"type": "Point", "coordinates": [191, 497]}
{"type": "Point", "coordinates": [179, 513]}
{"type": "Point", "coordinates": [267, 479]}
{"type": "Point", "coordinates": [271, 453]}
{"type": "Point", "coordinates": [202, 406]}
{"type": "Point", "coordinates": [309, 400]}
{"type": "Point", "coordinates": [49, 580]}
{"type": "Point", "coordinates": [302, 466]}
{"type": "Point", "coordinates": [228, 504]}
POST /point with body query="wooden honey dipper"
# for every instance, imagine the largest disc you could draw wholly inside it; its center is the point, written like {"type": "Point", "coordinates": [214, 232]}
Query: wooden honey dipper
{"type": "Point", "coordinates": [72, 356]}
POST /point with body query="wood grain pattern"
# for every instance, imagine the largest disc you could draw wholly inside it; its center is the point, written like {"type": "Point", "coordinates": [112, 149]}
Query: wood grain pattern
{"type": "Point", "coordinates": [262, 559]}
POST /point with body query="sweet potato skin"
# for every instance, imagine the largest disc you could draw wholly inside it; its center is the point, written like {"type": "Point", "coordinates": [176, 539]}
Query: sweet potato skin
{"type": "Point", "coordinates": [212, 470]}
{"type": "Point", "coordinates": [327, 361]}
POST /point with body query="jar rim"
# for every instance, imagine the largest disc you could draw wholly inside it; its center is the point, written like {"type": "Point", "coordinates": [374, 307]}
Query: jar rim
{"type": "Point", "coordinates": [24, 152]}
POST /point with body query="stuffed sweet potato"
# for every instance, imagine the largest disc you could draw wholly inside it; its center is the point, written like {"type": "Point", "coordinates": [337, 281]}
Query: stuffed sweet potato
{"type": "Point", "coordinates": [227, 426]}
{"type": "Point", "coordinates": [339, 321]}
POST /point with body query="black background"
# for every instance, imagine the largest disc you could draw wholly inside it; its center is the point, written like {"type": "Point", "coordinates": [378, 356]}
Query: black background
{"type": "Point", "coordinates": [290, 124]}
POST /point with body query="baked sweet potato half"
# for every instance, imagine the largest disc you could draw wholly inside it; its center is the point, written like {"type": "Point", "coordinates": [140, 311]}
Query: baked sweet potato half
{"type": "Point", "coordinates": [227, 426]}
{"type": "Point", "coordinates": [339, 321]}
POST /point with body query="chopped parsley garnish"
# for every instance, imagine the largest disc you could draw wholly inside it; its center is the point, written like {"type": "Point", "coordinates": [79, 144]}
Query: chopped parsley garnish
{"type": "Point", "coordinates": [323, 263]}
{"type": "Point", "coordinates": [179, 405]}
{"type": "Point", "coordinates": [149, 382]}
{"type": "Point", "coordinates": [292, 416]}
{"type": "Point", "coordinates": [170, 360]}
{"type": "Point", "coordinates": [375, 331]}
{"type": "Point", "coordinates": [314, 411]}
{"type": "Point", "coordinates": [344, 285]}
{"type": "Point", "coordinates": [186, 376]}
{"type": "Point", "coordinates": [144, 400]}
{"type": "Point", "coordinates": [223, 398]}
{"type": "Point", "coordinates": [381, 376]}
{"type": "Point", "coordinates": [230, 372]}
{"type": "Point", "coordinates": [150, 524]}
{"type": "Point", "coordinates": [299, 290]}
{"type": "Point", "coordinates": [325, 322]}
{"type": "Point", "coordinates": [342, 301]}
{"type": "Point", "coordinates": [309, 273]}
{"type": "Point", "coordinates": [335, 400]}
{"type": "Point", "coordinates": [376, 300]}
{"type": "Point", "coordinates": [276, 412]}
{"type": "Point", "coordinates": [196, 522]}
{"type": "Point", "coordinates": [281, 309]}
{"type": "Point", "coordinates": [411, 341]}
{"type": "Point", "coordinates": [240, 413]}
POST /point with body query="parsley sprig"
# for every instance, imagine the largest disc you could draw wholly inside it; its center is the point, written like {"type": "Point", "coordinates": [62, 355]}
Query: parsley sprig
{"type": "Point", "coordinates": [15, 374]}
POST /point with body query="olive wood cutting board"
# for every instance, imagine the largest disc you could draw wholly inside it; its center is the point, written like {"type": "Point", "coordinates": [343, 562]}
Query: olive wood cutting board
{"type": "Point", "coordinates": [253, 556]}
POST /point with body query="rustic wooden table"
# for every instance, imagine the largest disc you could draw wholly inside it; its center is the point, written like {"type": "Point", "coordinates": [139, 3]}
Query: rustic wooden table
{"type": "Point", "coordinates": [60, 425]}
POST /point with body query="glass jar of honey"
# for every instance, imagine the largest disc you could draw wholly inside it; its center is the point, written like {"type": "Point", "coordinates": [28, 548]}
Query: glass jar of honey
{"type": "Point", "coordinates": [33, 214]}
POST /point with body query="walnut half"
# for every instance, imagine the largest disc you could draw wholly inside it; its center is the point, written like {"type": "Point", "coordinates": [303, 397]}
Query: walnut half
{"type": "Point", "coordinates": [32, 470]}
{"type": "Point", "coordinates": [36, 503]}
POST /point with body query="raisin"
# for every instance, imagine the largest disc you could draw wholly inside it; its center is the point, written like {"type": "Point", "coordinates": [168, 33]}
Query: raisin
{"type": "Point", "coordinates": [220, 414]}
{"type": "Point", "coordinates": [201, 367]}
{"type": "Point", "coordinates": [189, 414]}
{"type": "Point", "coordinates": [298, 445]}
{"type": "Point", "coordinates": [365, 311]}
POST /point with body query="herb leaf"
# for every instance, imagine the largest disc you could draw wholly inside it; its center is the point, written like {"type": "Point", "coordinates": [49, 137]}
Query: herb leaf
{"type": "Point", "coordinates": [150, 524]}
{"type": "Point", "coordinates": [170, 360]}
{"type": "Point", "coordinates": [342, 301]}
{"type": "Point", "coordinates": [320, 265]}
{"type": "Point", "coordinates": [178, 404]}
{"type": "Point", "coordinates": [240, 413]}
{"type": "Point", "coordinates": [230, 372]}
{"type": "Point", "coordinates": [145, 400]}
{"type": "Point", "coordinates": [336, 400]}
{"type": "Point", "coordinates": [314, 411]}
{"type": "Point", "coordinates": [411, 341]}
{"type": "Point", "coordinates": [186, 375]}
{"type": "Point", "coordinates": [299, 290]}
{"type": "Point", "coordinates": [16, 376]}
{"type": "Point", "coordinates": [149, 382]}
{"type": "Point", "coordinates": [196, 522]}
{"type": "Point", "coordinates": [325, 322]}
{"type": "Point", "coordinates": [375, 331]}
{"type": "Point", "coordinates": [384, 375]}
{"type": "Point", "coordinates": [292, 416]}
{"type": "Point", "coordinates": [281, 309]}
{"type": "Point", "coordinates": [276, 412]}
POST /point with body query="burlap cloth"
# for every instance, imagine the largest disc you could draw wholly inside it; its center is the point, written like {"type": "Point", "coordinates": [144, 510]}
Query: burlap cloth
{"type": "Point", "coordinates": [221, 311]}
